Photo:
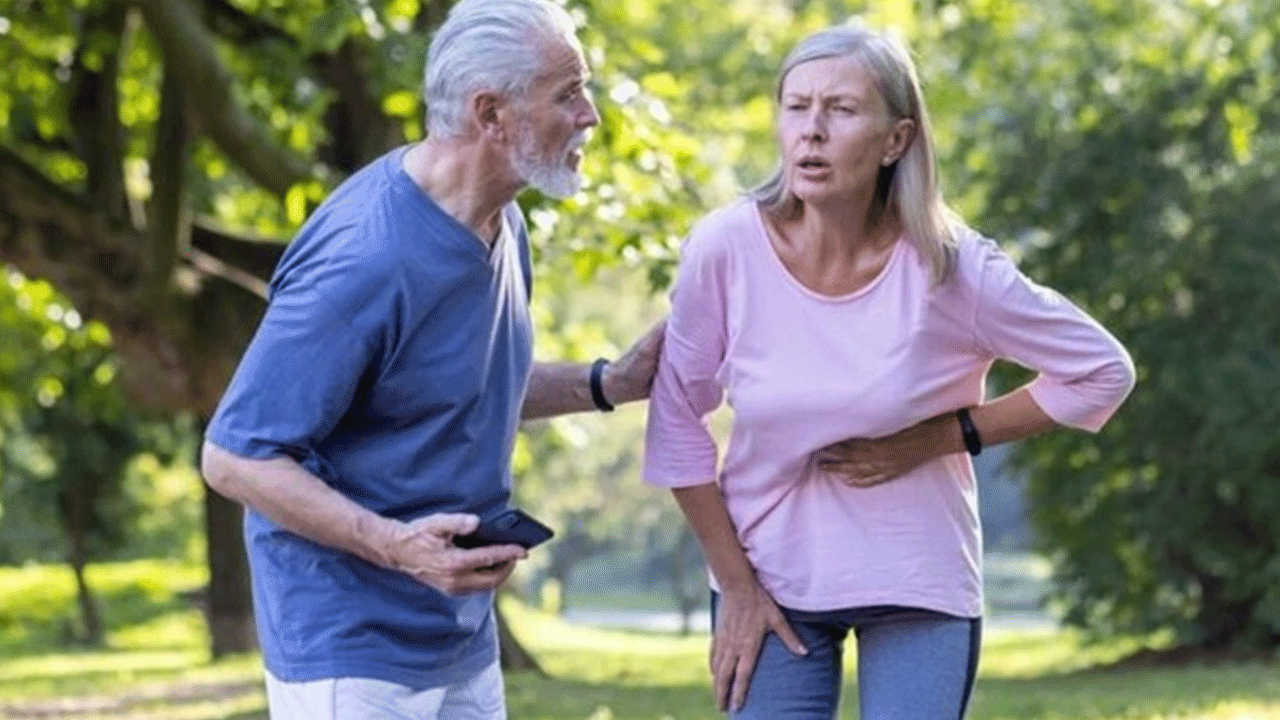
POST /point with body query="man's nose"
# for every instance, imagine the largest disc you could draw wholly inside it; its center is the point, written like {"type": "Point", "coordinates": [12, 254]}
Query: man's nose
{"type": "Point", "coordinates": [588, 115]}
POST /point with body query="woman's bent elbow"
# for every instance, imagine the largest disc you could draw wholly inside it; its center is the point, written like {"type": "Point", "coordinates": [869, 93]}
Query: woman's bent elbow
{"type": "Point", "coordinates": [1123, 377]}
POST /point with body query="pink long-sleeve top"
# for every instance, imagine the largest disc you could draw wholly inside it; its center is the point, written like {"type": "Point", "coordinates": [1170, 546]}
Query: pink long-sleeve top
{"type": "Point", "coordinates": [802, 370]}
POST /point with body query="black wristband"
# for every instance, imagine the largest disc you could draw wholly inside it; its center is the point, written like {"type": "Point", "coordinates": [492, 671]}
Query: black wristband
{"type": "Point", "coordinates": [968, 431]}
{"type": "Point", "coordinates": [597, 390]}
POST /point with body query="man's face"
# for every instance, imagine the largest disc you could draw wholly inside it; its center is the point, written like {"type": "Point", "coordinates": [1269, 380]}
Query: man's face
{"type": "Point", "coordinates": [555, 121]}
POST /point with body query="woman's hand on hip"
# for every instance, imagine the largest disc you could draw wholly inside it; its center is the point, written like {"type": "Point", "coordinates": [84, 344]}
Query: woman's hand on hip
{"type": "Point", "coordinates": [743, 619]}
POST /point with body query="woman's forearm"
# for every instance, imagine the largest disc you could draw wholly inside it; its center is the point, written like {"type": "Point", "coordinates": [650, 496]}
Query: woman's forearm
{"type": "Point", "coordinates": [1010, 417]}
{"type": "Point", "coordinates": [704, 507]}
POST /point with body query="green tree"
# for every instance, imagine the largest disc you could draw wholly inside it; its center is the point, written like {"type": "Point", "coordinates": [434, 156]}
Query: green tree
{"type": "Point", "coordinates": [1132, 164]}
{"type": "Point", "coordinates": [110, 144]}
{"type": "Point", "coordinates": [69, 434]}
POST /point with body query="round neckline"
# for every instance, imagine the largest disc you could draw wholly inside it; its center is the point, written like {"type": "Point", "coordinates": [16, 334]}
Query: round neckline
{"type": "Point", "coordinates": [763, 232]}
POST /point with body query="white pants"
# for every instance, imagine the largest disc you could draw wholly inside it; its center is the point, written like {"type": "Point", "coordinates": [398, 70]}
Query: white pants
{"type": "Point", "coordinates": [480, 698]}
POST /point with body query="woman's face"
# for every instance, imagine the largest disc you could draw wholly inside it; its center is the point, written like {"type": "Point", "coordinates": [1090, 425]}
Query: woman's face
{"type": "Point", "coordinates": [835, 131]}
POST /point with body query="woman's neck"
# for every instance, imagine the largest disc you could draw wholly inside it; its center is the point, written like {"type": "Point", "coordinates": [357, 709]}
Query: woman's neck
{"type": "Point", "coordinates": [834, 249]}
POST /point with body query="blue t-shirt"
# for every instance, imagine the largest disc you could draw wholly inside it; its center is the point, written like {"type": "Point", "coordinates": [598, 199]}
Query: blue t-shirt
{"type": "Point", "coordinates": [391, 362]}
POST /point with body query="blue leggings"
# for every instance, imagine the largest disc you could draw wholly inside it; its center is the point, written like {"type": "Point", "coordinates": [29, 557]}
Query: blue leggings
{"type": "Point", "coordinates": [912, 665]}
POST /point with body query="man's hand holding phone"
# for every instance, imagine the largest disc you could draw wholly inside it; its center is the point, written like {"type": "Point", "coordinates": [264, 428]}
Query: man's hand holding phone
{"type": "Point", "coordinates": [510, 527]}
{"type": "Point", "coordinates": [423, 549]}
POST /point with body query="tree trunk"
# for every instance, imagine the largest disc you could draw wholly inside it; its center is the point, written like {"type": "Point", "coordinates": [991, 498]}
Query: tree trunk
{"type": "Point", "coordinates": [559, 572]}
{"type": "Point", "coordinates": [681, 580]}
{"type": "Point", "coordinates": [229, 610]}
{"type": "Point", "coordinates": [75, 517]}
{"type": "Point", "coordinates": [90, 617]}
{"type": "Point", "coordinates": [512, 655]}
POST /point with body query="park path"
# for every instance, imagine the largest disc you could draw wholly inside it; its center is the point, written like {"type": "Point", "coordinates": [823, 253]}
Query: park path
{"type": "Point", "coordinates": [152, 702]}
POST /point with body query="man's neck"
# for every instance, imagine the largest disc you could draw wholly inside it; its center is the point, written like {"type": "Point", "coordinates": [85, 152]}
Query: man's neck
{"type": "Point", "coordinates": [466, 179]}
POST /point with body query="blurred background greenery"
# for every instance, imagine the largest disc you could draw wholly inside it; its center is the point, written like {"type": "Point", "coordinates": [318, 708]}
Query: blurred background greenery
{"type": "Point", "coordinates": [155, 155]}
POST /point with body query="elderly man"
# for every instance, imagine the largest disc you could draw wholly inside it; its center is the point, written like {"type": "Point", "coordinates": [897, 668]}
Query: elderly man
{"type": "Point", "coordinates": [373, 415]}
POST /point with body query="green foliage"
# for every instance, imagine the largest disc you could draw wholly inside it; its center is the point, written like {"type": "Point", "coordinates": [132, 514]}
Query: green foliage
{"type": "Point", "coordinates": [580, 473]}
{"type": "Point", "coordinates": [70, 444]}
{"type": "Point", "coordinates": [67, 434]}
{"type": "Point", "coordinates": [1151, 200]}
{"type": "Point", "coordinates": [686, 123]}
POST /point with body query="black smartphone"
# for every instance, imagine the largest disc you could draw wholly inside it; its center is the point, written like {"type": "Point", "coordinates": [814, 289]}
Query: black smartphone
{"type": "Point", "coordinates": [510, 527]}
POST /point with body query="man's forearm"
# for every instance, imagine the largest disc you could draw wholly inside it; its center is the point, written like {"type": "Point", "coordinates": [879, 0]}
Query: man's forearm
{"type": "Point", "coordinates": [560, 388]}
{"type": "Point", "coordinates": [557, 389]}
{"type": "Point", "coordinates": [300, 502]}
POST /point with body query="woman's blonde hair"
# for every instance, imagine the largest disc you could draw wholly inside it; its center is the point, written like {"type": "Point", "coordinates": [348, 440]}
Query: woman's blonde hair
{"type": "Point", "coordinates": [909, 185]}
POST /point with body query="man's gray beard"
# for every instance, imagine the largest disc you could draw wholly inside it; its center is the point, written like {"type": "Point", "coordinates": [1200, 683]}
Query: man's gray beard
{"type": "Point", "coordinates": [553, 179]}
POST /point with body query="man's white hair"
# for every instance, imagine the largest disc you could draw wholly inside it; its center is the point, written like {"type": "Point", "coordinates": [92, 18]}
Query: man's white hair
{"type": "Point", "coordinates": [488, 45]}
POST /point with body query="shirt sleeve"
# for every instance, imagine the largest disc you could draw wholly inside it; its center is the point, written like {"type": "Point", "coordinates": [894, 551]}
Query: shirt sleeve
{"type": "Point", "coordinates": [679, 449]}
{"type": "Point", "coordinates": [296, 380]}
{"type": "Point", "coordinates": [1084, 373]}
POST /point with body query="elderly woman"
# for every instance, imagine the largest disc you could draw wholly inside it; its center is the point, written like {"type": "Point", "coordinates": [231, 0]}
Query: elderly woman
{"type": "Point", "coordinates": [852, 319]}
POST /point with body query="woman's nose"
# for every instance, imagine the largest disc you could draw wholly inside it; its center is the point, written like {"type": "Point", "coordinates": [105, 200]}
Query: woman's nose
{"type": "Point", "coordinates": [814, 128]}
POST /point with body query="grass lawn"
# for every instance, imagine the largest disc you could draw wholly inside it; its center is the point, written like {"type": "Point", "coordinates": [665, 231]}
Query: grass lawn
{"type": "Point", "coordinates": [155, 667]}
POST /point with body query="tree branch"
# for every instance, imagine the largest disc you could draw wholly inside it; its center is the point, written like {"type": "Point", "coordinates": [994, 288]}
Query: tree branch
{"type": "Point", "coordinates": [177, 351]}
{"type": "Point", "coordinates": [49, 232]}
{"type": "Point", "coordinates": [94, 110]}
{"type": "Point", "coordinates": [188, 46]}
{"type": "Point", "coordinates": [430, 15]}
{"type": "Point", "coordinates": [235, 24]}
{"type": "Point", "coordinates": [358, 130]}
{"type": "Point", "coordinates": [168, 225]}
{"type": "Point", "coordinates": [256, 258]}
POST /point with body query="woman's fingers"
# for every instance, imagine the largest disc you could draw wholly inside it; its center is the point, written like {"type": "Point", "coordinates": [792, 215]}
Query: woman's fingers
{"type": "Point", "coordinates": [734, 666]}
{"type": "Point", "coordinates": [783, 630]}
{"type": "Point", "coordinates": [735, 652]}
{"type": "Point", "coordinates": [743, 670]}
{"type": "Point", "coordinates": [722, 671]}
{"type": "Point", "coordinates": [736, 647]}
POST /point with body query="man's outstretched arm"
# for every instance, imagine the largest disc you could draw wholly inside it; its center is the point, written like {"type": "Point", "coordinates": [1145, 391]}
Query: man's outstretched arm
{"type": "Point", "coordinates": [560, 388]}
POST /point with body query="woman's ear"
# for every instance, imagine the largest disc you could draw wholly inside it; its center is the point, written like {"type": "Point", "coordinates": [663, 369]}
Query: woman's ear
{"type": "Point", "coordinates": [900, 137]}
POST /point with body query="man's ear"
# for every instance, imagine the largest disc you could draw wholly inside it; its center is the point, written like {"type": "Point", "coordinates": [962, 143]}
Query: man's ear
{"type": "Point", "coordinates": [488, 113]}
